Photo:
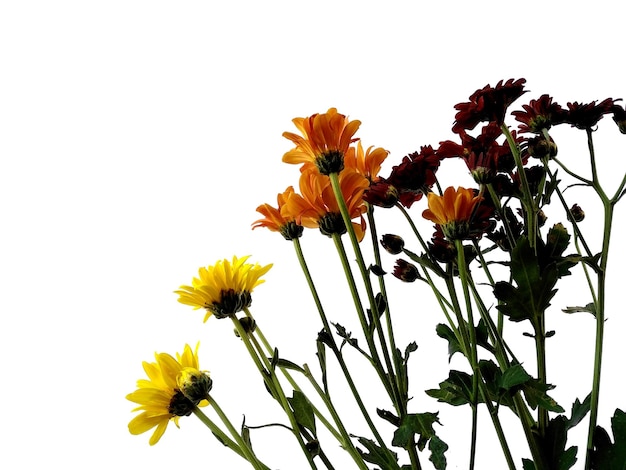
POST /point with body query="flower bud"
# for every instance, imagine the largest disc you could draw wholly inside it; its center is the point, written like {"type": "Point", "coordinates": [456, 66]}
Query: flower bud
{"type": "Point", "coordinates": [394, 244]}
{"type": "Point", "coordinates": [405, 271]}
{"type": "Point", "coordinates": [194, 384]}
{"type": "Point", "coordinates": [576, 213]}
{"type": "Point", "coordinates": [540, 147]}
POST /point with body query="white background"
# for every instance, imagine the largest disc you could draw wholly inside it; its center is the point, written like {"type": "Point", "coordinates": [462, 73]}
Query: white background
{"type": "Point", "coordinates": [138, 137]}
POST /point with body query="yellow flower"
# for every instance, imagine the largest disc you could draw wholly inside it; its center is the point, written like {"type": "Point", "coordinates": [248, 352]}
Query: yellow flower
{"type": "Point", "coordinates": [277, 220]}
{"type": "Point", "coordinates": [159, 397]}
{"type": "Point", "coordinates": [324, 141]}
{"type": "Point", "coordinates": [224, 288]}
{"type": "Point", "coordinates": [452, 211]}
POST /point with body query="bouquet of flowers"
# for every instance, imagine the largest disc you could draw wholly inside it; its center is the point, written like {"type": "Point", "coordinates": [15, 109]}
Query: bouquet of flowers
{"type": "Point", "coordinates": [485, 253]}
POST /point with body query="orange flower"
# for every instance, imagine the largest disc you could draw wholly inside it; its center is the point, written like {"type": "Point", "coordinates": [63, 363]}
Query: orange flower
{"type": "Point", "coordinates": [317, 205]}
{"type": "Point", "coordinates": [452, 211]}
{"type": "Point", "coordinates": [367, 163]}
{"type": "Point", "coordinates": [275, 218]}
{"type": "Point", "coordinates": [324, 141]}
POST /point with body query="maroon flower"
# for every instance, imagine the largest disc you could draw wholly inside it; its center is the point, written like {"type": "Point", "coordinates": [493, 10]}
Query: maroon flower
{"type": "Point", "coordinates": [415, 175]}
{"type": "Point", "coordinates": [539, 114]}
{"type": "Point", "coordinates": [488, 104]}
{"type": "Point", "coordinates": [381, 193]}
{"type": "Point", "coordinates": [483, 155]}
{"type": "Point", "coordinates": [586, 116]}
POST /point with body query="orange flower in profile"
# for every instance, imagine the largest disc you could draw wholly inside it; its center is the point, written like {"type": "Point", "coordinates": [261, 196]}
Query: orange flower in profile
{"type": "Point", "coordinates": [452, 211]}
{"type": "Point", "coordinates": [276, 219]}
{"type": "Point", "coordinates": [367, 162]}
{"type": "Point", "coordinates": [317, 206]}
{"type": "Point", "coordinates": [324, 141]}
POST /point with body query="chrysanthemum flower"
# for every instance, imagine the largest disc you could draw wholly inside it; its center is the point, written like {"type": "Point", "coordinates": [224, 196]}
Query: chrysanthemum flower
{"type": "Point", "coordinates": [324, 141]}
{"type": "Point", "coordinates": [539, 114]}
{"type": "Point", "coordinates": [316, 206]}
{"type": "Point", "coordinates": [415, 176]}
{"type": "Point", "coordinates": [160, 397]}
{"type": "Point", "coordinates": [224, 288]}
{"type": "Point", "coordinates": [276, 220]}
{"type": "Point", "coordinates": [366, 162]}
{"type": "Point", "coordinates": [452, 211]}
{"type": "Point", "coordinates": [488, 104]}
{"type": "Point", "coordinates": [586, 116]}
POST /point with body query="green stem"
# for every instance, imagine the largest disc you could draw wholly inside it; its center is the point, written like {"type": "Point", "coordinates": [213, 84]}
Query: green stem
{"type": "Point", "coordinates": [233, 432]}
{"type": "Point", "coordinates": [389, 378]}
{"type": "Point", "coordinates": [221, 435]}
{"type": "Point", "coordinates": [273, 384]}
{"type": "Point", "coordinates": [463, 275]}
{"type": "Point", "coordinates": [340, 360]}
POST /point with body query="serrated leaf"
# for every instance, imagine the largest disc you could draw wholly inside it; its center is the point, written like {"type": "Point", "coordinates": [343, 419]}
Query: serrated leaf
{"type": "Point", "coordinates": [513, 377]}
{"type": "Point", "coordinates": [456, 390]}
{"type": "Point", "coordinates": [387, 459]}
{"type": "Point", "coordinates": [535, 393]}
{"type": "Point", "coordinates": [437, 452]}
{"type": "Point", "coordinates": [611, 455]}
{"type": "Point", "coordinates": [411, 347]}
{"type": "Point", "coordinates": [412, 424]}
{"type": "Point", "coordinates": [579, 411]}
{"type": "Point", "coordinates": [302, 410]}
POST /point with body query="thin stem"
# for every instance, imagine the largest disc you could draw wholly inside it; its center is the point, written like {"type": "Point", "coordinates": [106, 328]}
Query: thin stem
{"type": "Point", "coordinates": [221, 435]}
{"type": "Point", "coordinates": [273, 384]}
{"type": "Point", "coordinates": [254, 461]}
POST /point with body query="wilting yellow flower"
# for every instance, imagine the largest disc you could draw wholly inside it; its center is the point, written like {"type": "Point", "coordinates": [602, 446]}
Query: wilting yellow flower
{"type": "Point", "coordinates": [452, 211]}
{"type": "Point", "coordinates": [367, 162]}
{"type": "Point", "coordinates": [277, 220]}
{"type": "Point", "coordinates": [159, 397]}
{"type": "Point", "coordinates": [224, 288]}
{"type": "Point", "coordinates": [317, 206]}
{"type": "Point", "coordinates": [324, 141]}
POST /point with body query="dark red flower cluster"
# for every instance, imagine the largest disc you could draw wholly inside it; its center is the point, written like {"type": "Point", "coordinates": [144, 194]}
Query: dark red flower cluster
{"type": "Point", "coordinates": [482, 154]}
{"type": "Point", "coordinates": [415, 176]}
{"type": "Point", "coordinates": [488, 104]}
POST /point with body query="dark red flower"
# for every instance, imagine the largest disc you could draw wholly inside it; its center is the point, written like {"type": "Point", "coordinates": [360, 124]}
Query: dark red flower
{"type": "Point", "coordinates": [488, 104]}
{"type": "Point", "coordinates": [415, 175]}
{"type": "Point", "coordinates": [381, 193]}
{"type": "Point", "coordinates": [482, 154]}
{"type": "Point", "coordinates": [539, 114]}
{"type": "Point", "coordinates": [586, 116]}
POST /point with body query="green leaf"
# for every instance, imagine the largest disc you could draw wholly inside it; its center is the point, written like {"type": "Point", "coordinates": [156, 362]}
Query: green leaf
{"type": "Point", "coordinates": [590, 307]}
{"type": "Point", "coordinates": [535, 287]}
{"type": "Point", "coordinates": [445, 332]}
{"type": "Point", "coordinates": [411, 424]}
{"type": "Point", "coordinates": [609, 455]}
{"type": "Point", "coordinates": [286, 364]}
{"type": "Point", "coordinates": [456, 391]}
{"type": "Point", "coordinates": [528, 465]}
{"type": "Point", "coordinates": [579, 411]}
{"type": "Point", "coordinates": [302, 410]}
{"type": "Point", "coordinates": [535, 393]}
{"type": "Point", "coordinates": [513, 376]}
{"type": "Point", "coordinates": [437, 450]}
{"type": "Point", "coordinates": [387, 459]}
